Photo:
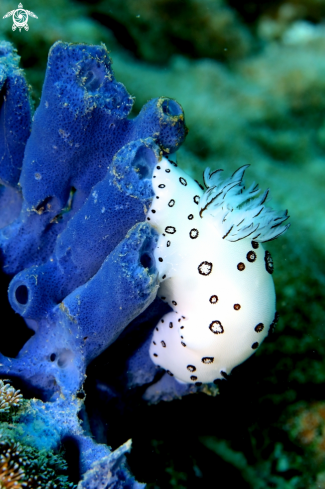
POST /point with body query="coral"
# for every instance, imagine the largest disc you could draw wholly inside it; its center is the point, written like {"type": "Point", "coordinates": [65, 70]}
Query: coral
{"type": "Point", "coordinates": [9, 397]}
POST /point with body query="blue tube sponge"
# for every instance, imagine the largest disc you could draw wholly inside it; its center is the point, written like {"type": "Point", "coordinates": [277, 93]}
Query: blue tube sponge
{"type": "Point", "coordinates": [15, 115]}
{"type": "Point", "coordinates": [80, 125]}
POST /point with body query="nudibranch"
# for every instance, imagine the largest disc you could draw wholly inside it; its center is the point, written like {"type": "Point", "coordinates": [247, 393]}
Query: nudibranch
{"type": "Point", "coordinates": [214, 271]}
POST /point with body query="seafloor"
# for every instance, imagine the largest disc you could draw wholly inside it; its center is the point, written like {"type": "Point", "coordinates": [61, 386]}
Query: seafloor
{"type": "Point", "coordinates": [250, 77]}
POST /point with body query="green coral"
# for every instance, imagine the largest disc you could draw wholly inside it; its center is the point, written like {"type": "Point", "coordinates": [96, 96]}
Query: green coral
{"type": "Point", "coordinates": [21, 464]}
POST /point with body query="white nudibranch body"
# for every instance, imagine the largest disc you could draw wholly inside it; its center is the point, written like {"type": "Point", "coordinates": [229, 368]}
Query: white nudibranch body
{"type": "Point", "coordinates": [213, 271]}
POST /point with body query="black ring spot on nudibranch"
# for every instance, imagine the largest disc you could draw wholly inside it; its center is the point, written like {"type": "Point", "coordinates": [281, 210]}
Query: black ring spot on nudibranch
{"type": "Point", "coordinates": [213, 299]}
{"type": "Point", "coordinates": [224, 375]}
{"type": "Point", "coordinates": [268, 262]}
{"type": "Point", "coordinates": [182, 343]}
{"type": "Point", "coordinates": [182, 327]}
{"type": "Point", "coordinates": [158, 167]}
{"type": "Point", "coordinates": [164, 276]}
{"type": "Point", "coordinates": [163, 344]}
{"type": "Point", "coordinates": [157, 329]}
{"type": "Point", "coordinates": [196, 199]}
{"type": "Point", "coordinates": [216, 327]}
{"type": "Point", "coordinates": [190, 217]}
{"type": "Point", "coordinates": [183, 181]}
{"type": "Point", "coordinates": [170, 230]}
{"type": "Point", "coordinates": [241, 266]}
{"type": "Point", "coordinates": [168, 244]}
{"type": "Point", "coordinates": [255, 345]}
{"type": "Point", "coordinates": [148, 218]}
{"type": "Point", "coordinates": [170, 324]}
{"type": "Point", "coordinates": [205, 268]}
{"type": "Point", "coordinates": [162, 320]}
{"type": "Point", "coordinates": [207, 360]}
{"type": "Point", "coordinates": [168, 170]}
{"type": "Point", "coordinates": [194, 233]}
{"type": "Point", "coordinates": [171, 203]}
{"type": "Point", "coordinates": [174, 302]}
{"type": "Point", "coordinates": [255, 245]}
{"type": "Point", "coordinates": [191, 368]}
{"type": "Point", "coordinates": [259, 328]}
{"type": "Point", "coordinates": [162, 185]}
{"type": "Point", "coordinates": [153, 211]}
{"type": "Point", "coordinates": [157, 197]}
{"type": "Point", "coordinates": [160, 259]}
{"type": "Point", "coordinates": [169, 373]}
{"type": "Point", "coordinates": [193, 377]}
{"type": "Point", "coordinates": [163, 298]}
{"type": "Point", "coordinates": [237, 307]}
{"type": "Point", "coordinates": [154, 343]}
{"type": "Point", "coordinates": [251, 256]}
{"type": "Point", "coordinates": [155, 355]}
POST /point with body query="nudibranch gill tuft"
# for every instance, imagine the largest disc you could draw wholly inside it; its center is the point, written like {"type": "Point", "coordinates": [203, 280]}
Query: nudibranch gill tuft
{"type": "Point", "coordinates": [214, 271]}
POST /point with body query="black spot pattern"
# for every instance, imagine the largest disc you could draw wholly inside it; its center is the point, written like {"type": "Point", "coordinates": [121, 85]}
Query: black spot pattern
{"type": "Point", "coordinates": [171, 203]}
{"type": "Point", "coordinates": [255, 345]}
{"type": "Point", "coordinates": [191, 368]}
{"type": "Point", "coordinates": [168, 244]}
{"type": "Point", "coordinates": [170, 230]}
{"type": "Point", "coordinates": [162, 185]}
{"type": "Point", "coordinates": [183, 181]}
{"type": "Point", "coordinates": [163, 344]}
{"type": "Point", "coordinates": [158, 167]}
{"type": "Point", "coordinates": [163, 298]}
{"type": "Point", "coordinates": [213, 299]}
{"type": "Point", "coordinates": [155, 355]}
{"type": "Point", "coordinates": [207, 360]}
{"type": "Point", "coordinates": [154, 343]}
{"type": "Point", "coordinates": [170, 324]}
{"type": "Point", "coordinates": [157, 329]}
{"type": "Point", "coordinates": [164, 276]}
{"type": "Point", "coordinates": [251, 256]}
{"type": "Point", "coordinates": [182, 327]}
{"type": "Point", "coordinates": [205, 268]}
{"type": "Point", "coordinates": [193, 377]}
{"type": "Point", "coordinates": [168, 170]}
{"type": "Point", "coordinates": [241, 266]}
{"type": "Point", "coordinates": [237, 307]}
{"type": "Point", "coordinates": [268, 262]}
{"type": "Point", "coordinates": [174, 302]}
{"type": "Point", "coordinates": [216, 327]}
{"type": "Point", "coordinates": [169, 373]}
{"type": "Point", "coordinates": [259, 328]}
{"type": "Point", "coordinates": [255, 245]}
{"type": "Point", "coordinates": [148, 218]}
{"type": "Point", "coordinates": [194, 233]}
{"type": "Point", "coordinates": [196, 199]}
{"type": "Point", "coordinates": [162, 320]}
{"type": "Point", "coordinates": [160, 259]}
{"type": "Point", "coordinates": [182, 343]}
{"type": "Point", "coordinates": [224, 375]}
{"type": "Point", "coordinates": [190, 217]}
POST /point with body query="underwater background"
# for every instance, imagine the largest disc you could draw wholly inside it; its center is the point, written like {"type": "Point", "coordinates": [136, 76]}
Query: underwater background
{"type": "Point", "coordinates": [250, 77]}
